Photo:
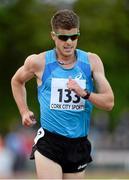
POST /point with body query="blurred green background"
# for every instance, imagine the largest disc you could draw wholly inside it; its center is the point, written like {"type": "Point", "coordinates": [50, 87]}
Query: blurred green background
{"type": "Point", "coordinates": [25, 29]}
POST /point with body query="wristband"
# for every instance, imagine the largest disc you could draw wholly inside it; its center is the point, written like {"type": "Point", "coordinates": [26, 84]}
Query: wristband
{"type": "Point", "coordinates": [87, 94]}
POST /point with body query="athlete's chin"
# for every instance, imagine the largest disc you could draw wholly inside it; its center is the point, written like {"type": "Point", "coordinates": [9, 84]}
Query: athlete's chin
{"type": "Point", "coordinates": [68, 52]}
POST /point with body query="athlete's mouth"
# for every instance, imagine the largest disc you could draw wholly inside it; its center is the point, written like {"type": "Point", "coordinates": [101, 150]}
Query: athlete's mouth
{"type": "Point", "coordinates": [68, 48]}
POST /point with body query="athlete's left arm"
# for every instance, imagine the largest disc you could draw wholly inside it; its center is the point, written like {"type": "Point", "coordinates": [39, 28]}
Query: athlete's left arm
{"type": "Point", "coordinates": [103, 98]}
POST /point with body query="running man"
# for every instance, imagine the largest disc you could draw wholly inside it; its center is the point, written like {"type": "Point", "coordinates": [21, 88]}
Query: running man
{"type": "Point", "coordinates": [65, 79]}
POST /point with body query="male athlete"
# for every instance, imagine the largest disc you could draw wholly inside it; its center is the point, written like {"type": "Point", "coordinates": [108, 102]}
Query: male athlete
{"type": "Point", "coordinates": [65, 79]}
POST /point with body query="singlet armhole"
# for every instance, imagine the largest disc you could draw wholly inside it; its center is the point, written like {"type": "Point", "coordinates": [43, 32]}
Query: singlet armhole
{"type": "Point", "coordinates": [88, 53]}
{"type": "Point", "coordinates": [43, 69]}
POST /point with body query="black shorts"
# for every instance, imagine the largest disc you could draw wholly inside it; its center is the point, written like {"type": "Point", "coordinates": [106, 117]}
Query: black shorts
{"type": "Point", "coordinates": [72, 154]}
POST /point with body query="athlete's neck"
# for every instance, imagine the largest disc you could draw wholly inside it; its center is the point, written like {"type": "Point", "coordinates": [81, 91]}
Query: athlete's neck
{"type": "Point", "coordinates": [66, 60]}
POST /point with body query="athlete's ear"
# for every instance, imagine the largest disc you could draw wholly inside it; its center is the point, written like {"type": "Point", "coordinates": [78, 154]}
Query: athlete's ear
{"type": "Point", "coordinates": [53, 35]}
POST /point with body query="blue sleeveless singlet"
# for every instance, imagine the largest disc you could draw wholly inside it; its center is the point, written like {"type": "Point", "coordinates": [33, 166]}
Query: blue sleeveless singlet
{"type": "Point", "coordinates": [62, 111]}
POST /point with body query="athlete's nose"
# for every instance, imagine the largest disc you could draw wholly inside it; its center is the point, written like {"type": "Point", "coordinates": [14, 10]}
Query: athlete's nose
{"type": "Point", "coordinates": [69, 40]}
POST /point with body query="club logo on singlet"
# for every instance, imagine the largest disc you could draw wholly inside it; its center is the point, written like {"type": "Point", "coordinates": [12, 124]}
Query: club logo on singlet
{"type": "Point", "coordinates": [64, 99]}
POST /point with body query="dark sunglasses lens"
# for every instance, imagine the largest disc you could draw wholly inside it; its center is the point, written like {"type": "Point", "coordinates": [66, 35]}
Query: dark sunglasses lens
{"type": "Point", "coordinates": [74, 37]}
{"type": "Point", "coordinates": [63, 37]}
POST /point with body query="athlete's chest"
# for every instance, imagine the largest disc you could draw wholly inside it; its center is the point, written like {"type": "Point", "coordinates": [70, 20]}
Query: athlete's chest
{"type": "Point", "coordinates": [61, 98]}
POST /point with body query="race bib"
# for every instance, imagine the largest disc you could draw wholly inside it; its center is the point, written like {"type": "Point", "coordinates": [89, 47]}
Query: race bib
{"type": "Point", "coordinates": [64, 99]}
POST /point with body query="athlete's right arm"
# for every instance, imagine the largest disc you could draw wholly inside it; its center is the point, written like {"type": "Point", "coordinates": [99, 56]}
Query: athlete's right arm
{"type": "Point", "coordinates": [30, 69]}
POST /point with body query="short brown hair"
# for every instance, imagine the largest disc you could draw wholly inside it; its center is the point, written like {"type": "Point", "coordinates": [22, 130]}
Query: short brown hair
{"type": "Point", "coordinates": [65, 19]}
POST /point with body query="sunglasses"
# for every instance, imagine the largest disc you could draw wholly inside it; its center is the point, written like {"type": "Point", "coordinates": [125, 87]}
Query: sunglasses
{"type": "Point", "coordinates": [65, 37]}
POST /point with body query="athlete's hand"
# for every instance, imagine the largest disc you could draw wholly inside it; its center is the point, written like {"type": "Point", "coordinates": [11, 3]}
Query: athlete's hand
{"type": "Point", "coordinates": [28, 119]}
{"type": "Point", "coordinates": [74, 86]}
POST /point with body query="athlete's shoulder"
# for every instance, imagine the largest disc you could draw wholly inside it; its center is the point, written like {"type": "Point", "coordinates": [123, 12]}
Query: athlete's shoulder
{"type": "Point", "coordinates": [94, 57]}
{"type": "Point", "coordinates": [94, 60]}
{"type": "Point", "coordinates": [35, 61]}
{"type": "Point", "coordinates": [35, 57]}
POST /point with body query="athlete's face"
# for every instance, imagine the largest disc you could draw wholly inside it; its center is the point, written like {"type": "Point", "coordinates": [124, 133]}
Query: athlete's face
{"type": "Point", "coordinates": [65, 41]}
